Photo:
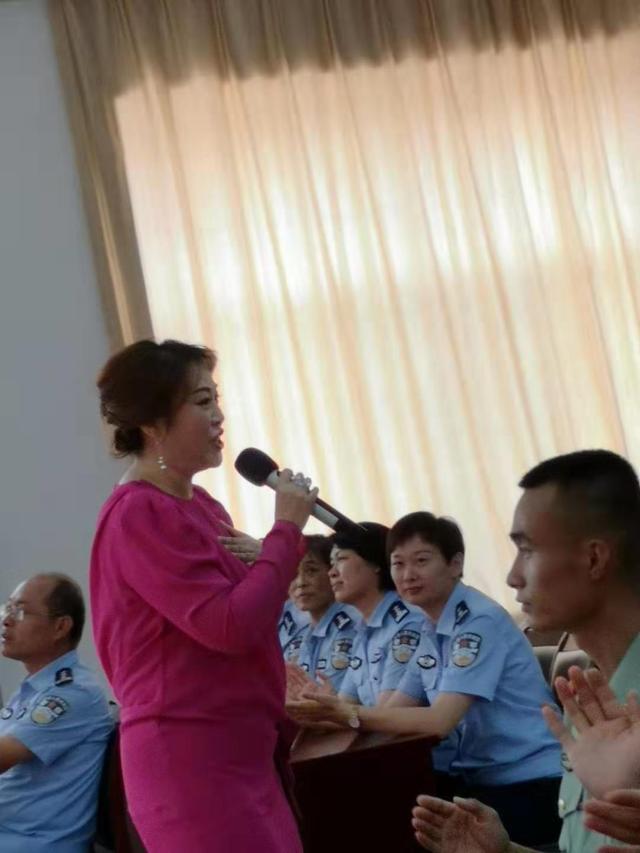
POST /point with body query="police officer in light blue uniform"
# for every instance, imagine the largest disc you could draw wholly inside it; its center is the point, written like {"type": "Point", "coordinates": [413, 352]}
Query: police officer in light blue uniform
{"type": "Point", "coordinates": [323, 648]}
{"type": "Point", "coordinates": [389, 633]}
{"type": "Point", "coordinates": [477, 671]}
{"type": "Point", "coordinates": [292, 622]}
{"type": "Point", "coordinates": [55, 727]}
{"type": "Point", "coordinates": [326, 649]}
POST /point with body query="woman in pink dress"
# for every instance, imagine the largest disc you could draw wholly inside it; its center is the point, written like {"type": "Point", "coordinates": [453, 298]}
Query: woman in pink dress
{"type": "Point", "coordinates": [185, 631]}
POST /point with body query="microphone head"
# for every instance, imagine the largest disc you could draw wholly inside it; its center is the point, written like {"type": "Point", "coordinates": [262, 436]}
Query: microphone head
{"type": "Point", "coordinates": [255, 466]}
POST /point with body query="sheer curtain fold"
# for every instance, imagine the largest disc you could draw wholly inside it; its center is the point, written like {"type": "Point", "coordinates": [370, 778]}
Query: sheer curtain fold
{"type": "Point", "coordinates": [410, 228]}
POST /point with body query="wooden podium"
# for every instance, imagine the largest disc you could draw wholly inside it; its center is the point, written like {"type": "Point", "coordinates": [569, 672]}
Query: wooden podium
{"type": "Point", "coordinates": [356, 791]}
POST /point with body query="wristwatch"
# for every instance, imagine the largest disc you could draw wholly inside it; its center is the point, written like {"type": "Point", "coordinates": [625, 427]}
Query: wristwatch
{"type": "Point", "coordinates": [354, 719]}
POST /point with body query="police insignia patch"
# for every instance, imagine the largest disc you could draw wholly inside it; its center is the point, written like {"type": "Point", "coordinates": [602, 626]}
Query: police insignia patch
{"type": "Point", "coordinates": [341, 620]}
{"type": "Point", "coordinates": [404, 645]}
{"type": "Point", "coordinates": [292, 651]}
{"type": "Point", "coordinates": [287, 623]}
{"type": "Point", "coordinates": [64, 676]}
{"type": "Point", "coordinates": [462, 611]}
{"type": "Point", "coordinates": [427, 661]}
{"type": "Point", "coordinates": [355, 663]}
{"type": "Point", "coordinates": [399, 611]}
{"type": "Point", "coordinates": [340, 653]}
{"type": "Point", "coordinates": [465, 649]}
{"type": "Point", "coordinates": [48, 710]}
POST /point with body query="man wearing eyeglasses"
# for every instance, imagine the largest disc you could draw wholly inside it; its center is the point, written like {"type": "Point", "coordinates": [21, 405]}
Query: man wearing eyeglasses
{"type": "Point", "coordinates": [55, 727]}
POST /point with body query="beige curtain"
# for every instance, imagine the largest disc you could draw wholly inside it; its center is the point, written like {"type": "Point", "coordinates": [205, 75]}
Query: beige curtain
{"type": "Point", "coordinates": [410, 229]}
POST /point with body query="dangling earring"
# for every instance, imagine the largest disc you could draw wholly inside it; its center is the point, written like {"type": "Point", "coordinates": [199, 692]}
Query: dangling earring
{"type": "Point", "coordinates": [162, 465]}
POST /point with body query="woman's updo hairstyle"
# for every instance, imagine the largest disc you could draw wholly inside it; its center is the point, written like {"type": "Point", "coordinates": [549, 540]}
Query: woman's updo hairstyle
{"type": "Point", "coordinates": [144, 383]}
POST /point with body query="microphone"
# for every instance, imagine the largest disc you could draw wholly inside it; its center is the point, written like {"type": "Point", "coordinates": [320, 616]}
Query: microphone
{"type": "Point", "coordinates": [260, 469]}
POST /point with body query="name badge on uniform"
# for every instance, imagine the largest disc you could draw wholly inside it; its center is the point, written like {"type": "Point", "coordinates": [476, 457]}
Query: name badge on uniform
{"type": "Point", "coordinates": [465, 649]}
{"type": "Point", "coordinates": [404, 645]}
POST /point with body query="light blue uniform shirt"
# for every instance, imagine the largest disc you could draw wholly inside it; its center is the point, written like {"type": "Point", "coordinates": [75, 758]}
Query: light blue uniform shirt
{"type": "Point", "coordinates": [382, 649]}
{"type": "Point", "coordinates": [477, 649]}
{"type": "Point", "coordinates": [291, 623]}
{"type": "Point", "coordinates": [48, 804]}
{"type": "Point", "coordinates": [326, 648]}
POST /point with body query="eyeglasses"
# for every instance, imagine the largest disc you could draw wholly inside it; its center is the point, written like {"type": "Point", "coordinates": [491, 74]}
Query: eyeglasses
{"type": "Point", "coordinates": [17, 612]}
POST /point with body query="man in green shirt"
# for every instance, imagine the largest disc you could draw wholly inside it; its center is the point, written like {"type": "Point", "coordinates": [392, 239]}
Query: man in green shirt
{"type": "Point", "coordinates": [577, 568]}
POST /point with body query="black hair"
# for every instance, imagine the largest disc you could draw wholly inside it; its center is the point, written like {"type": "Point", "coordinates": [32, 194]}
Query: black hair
{"type": "Point", "coordinates": [599, 492]}
{"type": "Point", "coordinates": [371, 546]}
{"type": "Point", "coordinates": [65, 599]}
{"type": "Point", "coordinates": [442, 532]}
{"type": "Point", "coordinates": [144, 383]}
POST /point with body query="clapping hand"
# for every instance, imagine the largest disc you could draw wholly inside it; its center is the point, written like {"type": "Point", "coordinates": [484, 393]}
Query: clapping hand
{"type": "Point", "coordinates": [464, 826]}
{"type": "Point", "coordinates": [604, 751]}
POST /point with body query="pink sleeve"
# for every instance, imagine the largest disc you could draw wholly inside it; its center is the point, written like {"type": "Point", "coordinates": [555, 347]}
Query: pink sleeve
{"type": "Point", "coordinates": [197, 585]}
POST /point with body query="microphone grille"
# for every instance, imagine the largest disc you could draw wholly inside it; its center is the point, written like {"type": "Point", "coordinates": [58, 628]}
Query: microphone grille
{"type": "Point", "coordinates": [254, 465]}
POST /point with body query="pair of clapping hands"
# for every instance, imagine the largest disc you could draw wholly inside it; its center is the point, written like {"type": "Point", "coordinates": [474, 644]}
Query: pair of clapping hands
{"type": "Point", "coordinates": [604, 752]}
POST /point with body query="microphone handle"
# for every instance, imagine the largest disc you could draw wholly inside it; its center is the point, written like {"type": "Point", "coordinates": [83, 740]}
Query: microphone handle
{"type": "Point", "coordinates": [324, 512]}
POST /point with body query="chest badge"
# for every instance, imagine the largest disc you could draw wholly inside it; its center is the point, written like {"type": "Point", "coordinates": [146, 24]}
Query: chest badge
{"type": "Point", "coordinates": [427, 661]}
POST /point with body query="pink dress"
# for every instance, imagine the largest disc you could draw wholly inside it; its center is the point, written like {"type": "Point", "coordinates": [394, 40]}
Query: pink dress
{"type": "Point", "coordinates": [186, 634]}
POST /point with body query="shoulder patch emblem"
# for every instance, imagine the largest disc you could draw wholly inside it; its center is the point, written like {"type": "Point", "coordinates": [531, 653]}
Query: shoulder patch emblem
{"type": "Point", "coordinates": [427, 661]}
{"type": "Point", "coordinates": [64, 676]}
{"type": "Point", "coordinates": [6, 713]}
{"type": "Point", "coordinates": [465, 649]}
{"type": "Point", "coordinates": [341, 652]}
{"type": "Point", "coordinates": [462, 611]}
{"type": "Point", "coordinates": [48, 710]}
{"type": "Point", "coordinates": [341, 620]}
{"type": "Point", "coordinates": [398, 611]}
{"type": "Point", "coordinates": [404, 645]}
{"type": "Point", "coordinates": [355, 663]}
{"type": "Point", "coordinates": [292, 651]}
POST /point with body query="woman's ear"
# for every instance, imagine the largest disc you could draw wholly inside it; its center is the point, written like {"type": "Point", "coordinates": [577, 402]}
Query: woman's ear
{"type": "Point", "coordinates": [457, 564]}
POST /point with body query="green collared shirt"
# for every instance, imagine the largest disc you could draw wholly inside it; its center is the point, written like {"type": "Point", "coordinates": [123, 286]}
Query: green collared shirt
{"type": "Point", "coordinates": [575, 837]}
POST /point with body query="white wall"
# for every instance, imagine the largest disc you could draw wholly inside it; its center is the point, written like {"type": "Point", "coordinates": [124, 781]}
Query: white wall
{"type": "Point", "coordinates": [54, 468]}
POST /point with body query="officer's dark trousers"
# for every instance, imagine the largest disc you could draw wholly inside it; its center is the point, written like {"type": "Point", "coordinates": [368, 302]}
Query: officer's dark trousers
{"type": "Point", "coordinates": [528, 810]}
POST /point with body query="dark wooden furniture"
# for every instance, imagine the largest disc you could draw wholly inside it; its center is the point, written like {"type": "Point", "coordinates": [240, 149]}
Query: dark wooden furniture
{"type": "Point", "coordinates": [360, 798]}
